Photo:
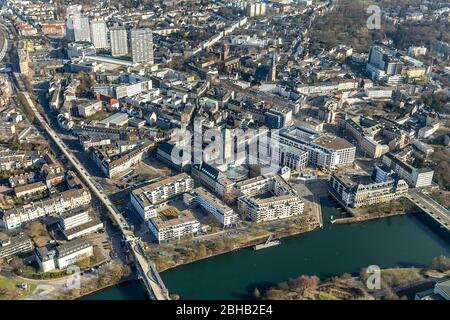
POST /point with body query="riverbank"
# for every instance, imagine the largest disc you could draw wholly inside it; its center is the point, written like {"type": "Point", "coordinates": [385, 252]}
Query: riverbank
{"type": "Point", "coordinates": [330, 251]}
{"type": "Point", "coordinates": [112, 275]}
{"type": "Point", "coordinates": [108, 286]}
{"type": "Point", "coordinates": [394, 284]}
{"type": "Point", "coordinates": [235, 246]}
{"type": "Point", "coordinates": [367, 217]}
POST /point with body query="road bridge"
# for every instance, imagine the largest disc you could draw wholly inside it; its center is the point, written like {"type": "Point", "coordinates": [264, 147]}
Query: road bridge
{"type": "Point", "coordinates": [433, 209]}
{"type": "Point", "coordinates": [143, 265]}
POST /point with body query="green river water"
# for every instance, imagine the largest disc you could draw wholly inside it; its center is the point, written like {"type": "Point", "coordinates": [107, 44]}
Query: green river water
{"type": "Point", "coordinates": [401, 241]}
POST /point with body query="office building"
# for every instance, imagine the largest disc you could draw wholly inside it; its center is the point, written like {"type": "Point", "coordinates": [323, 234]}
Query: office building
{"type": "Point", "coordinates": [78, 222]}
{"type": "Point", "coordinates": [383, 65]}
{"type": "Point", "coordinates": [415, 177]}
{"type": "Point", "coordinates": [212, 178]}
{"type": "Point", "coordinates": [61, 256]}
{"type": "Point", "coordinates": [11, 246]}
{"type": "Point", "coordinates": [324, 150]}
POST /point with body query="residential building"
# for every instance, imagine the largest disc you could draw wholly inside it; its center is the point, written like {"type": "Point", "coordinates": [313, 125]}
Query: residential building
{"type": "Point", "coordinates": [119, 41]}
{"type": "Point", "coordinates": [99, 34]}
{"type": "Point", "coordinates": [148, 198]}
{"type": "Point", "coordinates": [441, 291]}
{"type": "Point", "coordinates": [415, 177]}
{"type": "Point", "coordinates": [173, 229]}
{"type": "Point", "coordinates": [142, 46]}
{"type": "Point", "coordinates": [216, 207]}
{"type": "Point", "coordinates": [89, 108]}
{"type": "Point", "coordinates": [77, 28]}
{"type": "Point", "coordinates": [30, 189]}
{"type": "Point", "coordinates": [67, 200]}
{"type": "Point", "coordinates": [272, 208]}
{"type": "Point", "coordinates": [268, 197]}
{"type": "Point", "coordinates": [357, 190]}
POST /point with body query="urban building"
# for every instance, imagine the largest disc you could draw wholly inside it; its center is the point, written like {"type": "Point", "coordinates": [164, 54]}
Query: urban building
{"type": "Point", "coordinates": [268, 197]}
{"type": "Point", "coordinates": [174, 229]}
{"type": "Point", "coordinates": [99, 34]}
{"type": "Point", "coordinates": [357, 190]}
{"type": "Point", "coordinates": [216, 207]}
{"type": "Point", "coordinates": [364, 130]}
{"type": "Point", "coordinates": [415, 177]}
{"type": "Point", "coordinates": [212, 178]}
{"type": "Point", "coordinates": [324, 150]}
{"type": "Point", "coordinates": [11, 246]}
{"type": "Point", "coordinates": [119, 41]}
{"type": "Point", "coordinates": [383, 65]}
{"type": "Point", "coordinates": [77, 28]}
{"type": "Point", "coordinates": [441, 291]}
{"type": "Point", "coordinates": [142, 46]}
{"type": "Point", "coordinates": [30, 189]}
{"type": "Point", "coordinates": [271, 208]}
{"type": "Point", "coordinates": [78, 222]}
{"type": "Point", "coordinates": [61, 256]}
{"type": "Point", "coordinates": [147, 199]}
{"type": "Point", "coordinates": [67, 200]}
{"type": "Point", "coordinates": [176, 157]}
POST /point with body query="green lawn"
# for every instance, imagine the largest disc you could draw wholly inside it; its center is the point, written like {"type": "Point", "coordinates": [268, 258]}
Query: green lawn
{"type": "Point", "coordinates": [10, 289]}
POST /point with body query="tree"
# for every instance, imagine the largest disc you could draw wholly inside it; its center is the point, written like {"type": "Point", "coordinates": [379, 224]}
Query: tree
{"type": "Point", "coordinates": [441, 263]}
{"type": "Point", "coordinates": [202, 251]}
{"type": "Point", "coordinates": [220, 244]}
{"type": "Point", "coordinates": [303, 283]}
{"type": "Point", "coordinates": [17, 264]}
{"type": "Point", "coordinates": [35, 229]}
{"type": "Point", "coordinates": [257, 293]}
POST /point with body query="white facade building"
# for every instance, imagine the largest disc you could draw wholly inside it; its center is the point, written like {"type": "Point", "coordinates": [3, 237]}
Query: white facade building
{"type": "Point", "coordinates": [177, 228]}
{"type": "Point", "coordinates": [213, 205]}
{"type": "Point", "coordinates": [147, 199]}
{"type": "Point", "coordinates": [119, 41]}
{"type": "Point", "coordinates": [99, 34]}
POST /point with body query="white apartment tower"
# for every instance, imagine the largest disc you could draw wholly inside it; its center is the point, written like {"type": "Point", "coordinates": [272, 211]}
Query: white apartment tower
{"type": "Point", "coordinates": [119, 41]}
{"type": "Point", "coordinates": [99, 34]}
{"type": "Point", "coordinates": [80, 30]}
{"type": "Point", "coordinates": [142, 46]}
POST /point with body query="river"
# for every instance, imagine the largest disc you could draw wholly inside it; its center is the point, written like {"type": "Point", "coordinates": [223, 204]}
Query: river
{"type": "Point", "coordinates": [401, 241]}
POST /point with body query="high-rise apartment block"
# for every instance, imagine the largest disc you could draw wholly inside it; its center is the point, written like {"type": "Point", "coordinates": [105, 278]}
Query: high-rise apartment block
{"type": "Point", "coordinates": [119, 41]}
{"type": "Point", "coordinates": [142, 46]}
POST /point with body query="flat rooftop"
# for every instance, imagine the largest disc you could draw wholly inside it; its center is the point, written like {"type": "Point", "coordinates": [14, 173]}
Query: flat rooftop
{"type": "Point", "coordinates": [333, 142]}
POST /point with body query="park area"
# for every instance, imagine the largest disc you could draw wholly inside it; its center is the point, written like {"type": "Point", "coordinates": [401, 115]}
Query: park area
{"type": "Point", "coordinates": [11, 289]}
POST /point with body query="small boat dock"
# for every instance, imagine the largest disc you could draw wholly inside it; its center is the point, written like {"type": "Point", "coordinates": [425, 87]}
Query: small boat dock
{"type": "Point", "coordinates": [268, 243]}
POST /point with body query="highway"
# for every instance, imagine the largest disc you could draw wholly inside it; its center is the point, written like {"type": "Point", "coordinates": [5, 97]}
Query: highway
{"type": "Point", "coordinates": [439, 213]}
{"type": "Point", "coordinates": [144, 267]}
